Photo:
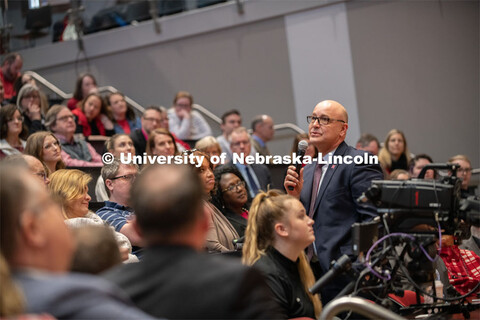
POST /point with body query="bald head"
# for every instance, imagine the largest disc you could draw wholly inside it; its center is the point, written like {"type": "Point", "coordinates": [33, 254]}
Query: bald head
{"type": "Point", "coordinates": [330, 130]}
{"type": "Point", "coordinates": [37, 169]}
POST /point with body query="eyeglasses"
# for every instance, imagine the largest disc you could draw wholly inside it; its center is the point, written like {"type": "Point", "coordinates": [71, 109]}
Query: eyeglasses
{"type": "Point", "coordinates": [65, 118]}
{"type": "Point", "coordinates": [238, 143]}
{"type": "Point", "coordinates": [188, 152]}
{"type": "Point", "coordinates": [153, 119]}
{"type": "Point", "coordinates": [236, 187]}
{"type": "Point", "coordinates": [183, 105]}
{"type": "Point", "coordinates": [323, 120]}
{"type": "Point", "coordinates": [33, 96]}
{"type": "Point", "coordinates": [19, 119]}
{"type": "Point", "coordinates": [128, 177]}
{"type": "Point", "coordinates": [464, 170]}
{"type": "Point", "coordinates": [43, 175]}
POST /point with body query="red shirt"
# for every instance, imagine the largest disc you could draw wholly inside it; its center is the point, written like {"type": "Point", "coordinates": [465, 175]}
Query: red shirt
{"type": "Point", "coordinates": [9, 92]}
{"type": "Point", "coordinates": [463, 268]}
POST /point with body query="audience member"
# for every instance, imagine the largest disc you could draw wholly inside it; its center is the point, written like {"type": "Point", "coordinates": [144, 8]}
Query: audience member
{"type": "Point", "coordinates": [231, 197]}
{"type": "Point", "coordinates": [22, 80]}
{"type": "Point", "coordinates": [96, 251]}
{"type": "Point", "coordinates": [220, 233]}
{"type": "Point", "coordinates": [185, 123]}
{"type": "Point", "coordinates": [117, 211]}
{"type": "Point", "coordinates": [33, 105]}
{"type": "Point", "coordinates": [38, 248]}
{"type": "Point", "coordinates": [418, 163]}
{"type": "Point", "coordinates": [117, 145]}
{"type": "Point", "coordinates": [85, 84]}
{"type": "Point", "coordinates": [277, 234]}
{"type": "Point", "coordinates": [45, 147]}
{"type": "Point", "coordinates": [394, 154]}
{"type": "Point", "coordinates": [70, 189]}
{"type": "Point", "coordinates": [76, 152]}
{"type": "Point", "coordinates": [256, 175]}
{"type": "Point", "coordinates": [399, 174]}
{"type": "Point", "coordinates": [93, 117]}
{"type": "Point", "coordinates": [210, 146]}
{"type": "Point", "coordinates": [125, 120]}
{"type": "Point", "coordinates": [263, 131]}
{"type": "Point", "coordinates": [323, 192]}
{"type": "Point", "coordinates": [472, 243]}
{"type": "Point", "coordinates": [151, 120]}
{"type": "Point", "coordinates": [181, 145]}
{"type": "Point", "coordinates": [161, 143]}
{"type": "Point", "coordinates": [12, 131]}
{"type": "Point", "coordinates": [230, 120]}
{"type": "Point", "coordinates": [311, 150]}
{"type": "Point", "coordinates": [183, 282]}
{"type": "Point", "coordinates": [3, 102]}
{"type": "Point", "coordinates": [11, 65]}
{"type": "Point", "coordinates": [32, 164]}
{"type": "Point", "coordinates": [464, 173]}
{"type": "Point", "coordinates": [368, 142]}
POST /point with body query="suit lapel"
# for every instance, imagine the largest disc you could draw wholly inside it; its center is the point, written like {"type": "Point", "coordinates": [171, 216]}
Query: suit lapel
{"type": "Point", "coordinates": [329, 174]}
{"type": "Point", "coordinates": [307, 184]}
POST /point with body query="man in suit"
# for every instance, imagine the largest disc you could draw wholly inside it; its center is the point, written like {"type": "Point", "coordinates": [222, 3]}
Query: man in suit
{"type": "Point", "coordinates": [175, 279]}
{"type": "Point", "coordinates": [38, 247]}
{"type": "Point", "coordinates": [263, 131]}
{"type": "Point", "coordinates": [151, 119]}
{"type": "Point", "coordinates": [256, 175]}
{"type": "Point", "coordinates": [329, 191]}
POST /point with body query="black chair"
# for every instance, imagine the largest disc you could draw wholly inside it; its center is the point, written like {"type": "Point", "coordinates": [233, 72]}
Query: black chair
{"type": "Point", "coordinates": [37, 19]}
{"type": "Point", "coordinates": [136, 11]}
{"type": "Point", "coordinates": [205, 3]}
{"type": "Point", "coordinates": [94, 206]}
{"type": "Point", "coordinates": [94, 172]}
{"type": "Point", "coordinates": [167, 7]}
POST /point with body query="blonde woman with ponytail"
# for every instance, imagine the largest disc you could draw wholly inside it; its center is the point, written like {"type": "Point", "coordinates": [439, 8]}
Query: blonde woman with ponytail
{"type": "Point", "coordinates": [277, 234]}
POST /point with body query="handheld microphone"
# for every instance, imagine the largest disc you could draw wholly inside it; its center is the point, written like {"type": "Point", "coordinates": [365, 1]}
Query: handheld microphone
{"type": "Point", "coordinates": [302, 147]}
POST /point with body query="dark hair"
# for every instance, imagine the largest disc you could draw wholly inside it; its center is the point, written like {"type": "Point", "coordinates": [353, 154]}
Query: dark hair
{"type": "Point", "coordinates": [217, 197]}
{"type": "Point", "coordinates": [10, 58]}
{"type": "Point", "coordinates": [257, 120]}
{"type": "Point", "coordinates": [414, 160]}
{"type": "Point", "coordinates": [130, 113]}
{"type": "Point", "coordinates": [167, 200]}
{"type": "Point", "coordinates": [78, 94]}
{"type": "Point", "coordinates": [366, 138]}
{"type": "Point", "coordinates": [103, 105]}
{"type": "Point", "coordinates": [6, 114]}
{"type": "Point", "coordinates": [151, 140]}
{"type": "Point", "coordinates": [229, 113]}
{"type": "Point", "coordinates": [156, 108]}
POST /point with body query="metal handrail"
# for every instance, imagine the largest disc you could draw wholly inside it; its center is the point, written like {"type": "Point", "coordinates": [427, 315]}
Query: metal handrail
{"type": "Point", "coordinates": [49, 85]}
{"type": "Point", "coordinates": [139, 108]}
{"type": "Point", "coordinates": [357, 305]}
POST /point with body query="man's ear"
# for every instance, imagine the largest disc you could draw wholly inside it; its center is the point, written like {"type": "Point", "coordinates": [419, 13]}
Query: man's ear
{"type": "Point", "coordinates": [109, 185]}
{"type": "Point", "coordinates": [281, 229]}
{"type": "Point", "coordinates": [31, 229]}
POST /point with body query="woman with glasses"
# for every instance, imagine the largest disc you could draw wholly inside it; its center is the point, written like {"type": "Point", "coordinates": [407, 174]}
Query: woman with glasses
{"type": "Point", "coordinates": [12, 131]}
{"type": "Point", "coordinates": [125, 120]}
{"type": "Point", "coordinates": [220, 233]}
{"type": "Point", "coordinates": [33, 105]}
{"type": "Point", "coordinates": [231, 197]}
{"type": "Point", "coordinates": [394, 154]}
{"type": "Point", "coordinates": [45, 147]}
{"type": "Point", "coordinates": [464, 173]}
{"type": "Point", "coordinates": [69, 187]}
{"type": "Point", "coordinates": [277, 234]}
{"type": "Point", "coordinates": [117, 145]}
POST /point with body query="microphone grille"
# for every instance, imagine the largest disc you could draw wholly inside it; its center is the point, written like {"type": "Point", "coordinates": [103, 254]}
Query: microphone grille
{"type": "Point", "coordinates": [303, 145]}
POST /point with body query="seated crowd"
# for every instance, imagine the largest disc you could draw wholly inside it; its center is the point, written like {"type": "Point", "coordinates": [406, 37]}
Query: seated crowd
{"type": "Point", "coordinates": [144, 249]}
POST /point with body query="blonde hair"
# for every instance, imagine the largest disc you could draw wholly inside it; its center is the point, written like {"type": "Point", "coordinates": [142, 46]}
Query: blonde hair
{"type": "Point", "coordinates": [67, 185]}
{"type": "Point", "coordinates": [207, 142]}
{"type": "Point", "coordinates": [385, 157]}
{"type": "Point", "coordinates": [460, 157]}
{"type": "Point", "coordinates": [11, 297]}
{"type": "Point", "coordinates": [268, 208]}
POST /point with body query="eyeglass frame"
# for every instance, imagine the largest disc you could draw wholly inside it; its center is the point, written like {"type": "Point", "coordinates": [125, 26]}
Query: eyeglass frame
{"type": "Point", "coordinates": [235, 187]}
{"type": "Point", "coordinates": [128, 177]}
{"type": "Point", "coordinates": [322, 118]}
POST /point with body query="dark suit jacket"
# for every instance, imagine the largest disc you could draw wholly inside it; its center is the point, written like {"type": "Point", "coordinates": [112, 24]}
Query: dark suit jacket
{"type": "Point", "coordinates": [336, 208]}
{"type": "Point", "coordinates": [179, 283]}
{"type": "Point", "coordinates": [263, 175]}
{"type": "Point", "coordinates": [138, 141]}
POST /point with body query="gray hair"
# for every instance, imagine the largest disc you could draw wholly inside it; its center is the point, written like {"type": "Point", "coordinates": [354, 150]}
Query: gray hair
{"type": "Point", "coordinates": [237, 131]}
